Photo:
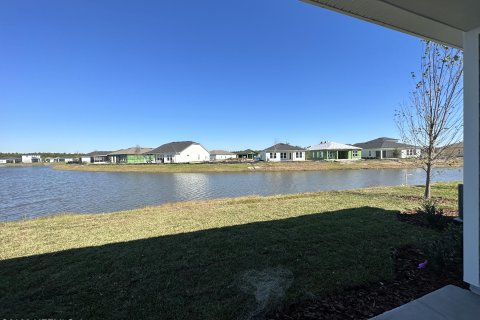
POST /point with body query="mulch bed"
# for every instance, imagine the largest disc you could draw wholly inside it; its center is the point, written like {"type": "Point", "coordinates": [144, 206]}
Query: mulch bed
{"type": "Point", "coordinates": [366, 301]}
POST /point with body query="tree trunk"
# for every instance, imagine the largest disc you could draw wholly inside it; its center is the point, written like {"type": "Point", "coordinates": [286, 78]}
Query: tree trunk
{"type": "Point", "coordinates": [427, 181]}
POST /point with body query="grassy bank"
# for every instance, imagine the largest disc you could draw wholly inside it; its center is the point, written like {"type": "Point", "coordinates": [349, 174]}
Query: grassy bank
{"type": "Point", "coordinates": [205, 259]}
{"type": "Point", "coordinates": [248, 166]}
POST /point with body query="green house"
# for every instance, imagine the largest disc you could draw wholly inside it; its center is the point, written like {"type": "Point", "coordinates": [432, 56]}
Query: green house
{"type": "Point", "coordinates": [328, 150]}
{"type": "Point", "coordinates": [132, 155]}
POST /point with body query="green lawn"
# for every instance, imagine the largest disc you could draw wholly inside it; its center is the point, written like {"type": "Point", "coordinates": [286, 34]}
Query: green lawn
{"type": "Point", "coordinates": [205, 259]}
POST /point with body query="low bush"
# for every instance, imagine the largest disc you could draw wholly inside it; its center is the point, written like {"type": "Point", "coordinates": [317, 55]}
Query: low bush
{"type": "Point", "coordinates": [434, 215]}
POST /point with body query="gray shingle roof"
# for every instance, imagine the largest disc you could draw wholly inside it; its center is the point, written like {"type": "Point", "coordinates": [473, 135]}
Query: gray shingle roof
{"type": "Point", "coordinates": [172, 147]}
{"type": "Point", "coordinates": [221, 152]}
{"type": "Point", "coordinates": [284, 147]}
{"type": "Point", "coordinates": [383, 143]}
{"type": "Point", "coordinates": [98, 153]}
{"type": "Point", "coordinates": [248, 151]}
{"type": "Point", "coordinates": [330, 145]}
{"type": "Point", "coordinates": [132, 150]}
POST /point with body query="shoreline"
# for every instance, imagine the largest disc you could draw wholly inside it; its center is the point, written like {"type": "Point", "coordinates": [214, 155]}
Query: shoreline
{"type": "Point", "coordinates": [251, 166]}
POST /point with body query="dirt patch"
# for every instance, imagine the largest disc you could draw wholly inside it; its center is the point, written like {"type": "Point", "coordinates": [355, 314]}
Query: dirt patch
{"type": "Point", "coordinates": [267, 286]}
{"type": "Point", "coordinates": [364, 302]}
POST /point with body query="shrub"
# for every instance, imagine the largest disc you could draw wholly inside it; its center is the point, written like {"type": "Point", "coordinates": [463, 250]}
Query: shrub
{"type": "Point", "coordinates": [433, 215]}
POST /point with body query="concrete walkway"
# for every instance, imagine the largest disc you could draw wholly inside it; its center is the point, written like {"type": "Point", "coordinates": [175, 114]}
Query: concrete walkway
{"type": "Point", "coordinates": [447, 303]}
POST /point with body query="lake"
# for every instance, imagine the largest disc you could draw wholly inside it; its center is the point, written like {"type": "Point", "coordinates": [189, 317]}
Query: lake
{"type": "Point", "coordinates": [28, 192]}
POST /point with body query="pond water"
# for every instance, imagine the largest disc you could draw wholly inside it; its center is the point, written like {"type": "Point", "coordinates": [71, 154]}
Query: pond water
{"type": "Point", "coordinates": [28, 192]}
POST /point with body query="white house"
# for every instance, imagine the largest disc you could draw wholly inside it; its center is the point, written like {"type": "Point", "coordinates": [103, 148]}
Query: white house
{"type": "Point", "coordinates": [31, 158]}
{"type": "Point", "coordinates": [283, 152]}
{"type": "Point", "coordinates": [10, 160]}
{"type": "Point", "coordinates": [85, 159]}
{"type": "Point", "coordinates": [387, 148]}
{"type": "Point", "coordinates": [180, 152]}
{"type": "Point", "coordinates": [217, 155]}
{"type": "Point", "coordinates": [98, 157]}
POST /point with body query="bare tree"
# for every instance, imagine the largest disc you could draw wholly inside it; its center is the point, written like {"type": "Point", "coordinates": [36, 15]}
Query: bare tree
{"type": "Point", "coordinates": [432, 120]}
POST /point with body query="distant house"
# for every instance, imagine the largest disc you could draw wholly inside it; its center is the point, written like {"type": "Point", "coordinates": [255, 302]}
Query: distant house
{"type": "Point", "coordinates": [216, 155]}
{"type": "Point", "coordinates": [98, 157]}
{"type": "Point", "coordinates": [283, 152]}
{"type": "Point", "coordinates": [454, 150]}
{"type": "Point", "coordinates": [246, 154]}
{"type": "Point", "coordinates": [132, 155]}
{"type": "Point", "coordinates": [31, 158]}
{"type": "Point", "coordinates": [10, 160]}
{"type": "Point", "coordinates": [387, 148]}
{"type": "Point", "coordinates": [85, 159]}
{"type": "Point", "coordinates": [180, 152]}
{"type": "Point", "coordinates": [329, 150]}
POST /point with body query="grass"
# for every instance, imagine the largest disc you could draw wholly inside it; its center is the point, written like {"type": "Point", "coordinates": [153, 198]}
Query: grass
{"type": "Point", "coordinates": [196, 260]}
{"type": "Point", "coordinates": [248, 166]}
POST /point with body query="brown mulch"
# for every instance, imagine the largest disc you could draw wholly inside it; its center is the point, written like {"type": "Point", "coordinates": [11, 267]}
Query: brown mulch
{"type": "Point", "coordinates": [366, 301]}
{"type": "Point", "coordinates": [419, 219]}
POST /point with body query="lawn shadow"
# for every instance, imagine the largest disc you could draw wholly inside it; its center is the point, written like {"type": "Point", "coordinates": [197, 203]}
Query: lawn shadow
{"type": "Point", "coordinates": [236, 272]}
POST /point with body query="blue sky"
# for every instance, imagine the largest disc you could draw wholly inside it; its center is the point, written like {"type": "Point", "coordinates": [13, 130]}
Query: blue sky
{"type": "Point", "coordinates": [86, 75]}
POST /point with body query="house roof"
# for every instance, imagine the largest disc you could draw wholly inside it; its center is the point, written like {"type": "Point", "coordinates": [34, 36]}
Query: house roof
{"type": "Point", "coordinates": [98, 153]}
{"type": "Point", "coordinates": [439, 20]}
{"type": "Point", "coordinates": [248, 151]}
{"type": "Point", "coordinates": [132, 150]}
{"type": "Point", "coordinates": [330, 145]}
{"type": "Point", "coordinates": [173, 147]}
{"type": "Point", "coordinates": [456, 145]}
{"type": "Point", "coordinates": [284, 147]}
{"type": "Point", "coordinates": [383, 143]}
{"type": "Point", "coordinates": [221, 152]}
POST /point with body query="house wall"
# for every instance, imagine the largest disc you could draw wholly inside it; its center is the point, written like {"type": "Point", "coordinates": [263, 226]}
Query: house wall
{"type": "Point", "coordinates": [85, 159]}
{"type": "Point", "coordinates": [332, 154]}
{"type": "Point", "coordinates": [405, 154]}
{"type": "Point", "coordinates": [133, 158]}
{"type": "Point", "coordinates": [390, 153]}
{"type": "Point", "coordinates": [194, 153]}
{"type": "Point", "coordinates": [222, 157]}
{"type": "Point", "coordinates": [31, 158]}
{"type": "Point", "coordinates": [276, 156]}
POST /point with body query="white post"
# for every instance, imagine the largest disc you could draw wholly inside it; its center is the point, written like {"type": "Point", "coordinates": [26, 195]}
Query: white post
{"type": "Point", "coordinates": [471, 219]}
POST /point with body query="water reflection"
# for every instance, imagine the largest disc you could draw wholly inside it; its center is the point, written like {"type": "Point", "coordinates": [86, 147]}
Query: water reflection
{"type": "Point", "coordinates": [37, 191]}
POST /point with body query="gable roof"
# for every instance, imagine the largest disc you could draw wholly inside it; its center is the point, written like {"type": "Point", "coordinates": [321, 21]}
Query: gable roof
{"type": "Point", "coordinates": [98, 153]}
{"type": "Point", "coordinates": [221, 152]}
{"type": "Point", "coordinates": [284, 147]}
{"type": "Point", "coordinates": [383, 143]}
{"type": "Point", "coordinates": [248, 151]}
{"type": "Point", "coordinates": [132, 150]}
{"type": "Point", "coordinates": [173, 147]}
{"type": "Point", "coordinates": [330, 145]}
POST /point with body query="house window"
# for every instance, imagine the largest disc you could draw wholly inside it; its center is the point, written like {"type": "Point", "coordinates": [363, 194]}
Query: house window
{"type": "Point", "coordinates": [369, 153]}
{"type": "Point", "coordinates": [283, 155]}
{"type": "Point", "coordinates": [298, 154]}
{"type": "Point", "coordinates": [410, 152]}
{"type": "Point", "coordinates": [355, 153]}
{"type": "Point", "coordinates": [331, 154]}
{"type": "Point", "coordinates": [271, 154]}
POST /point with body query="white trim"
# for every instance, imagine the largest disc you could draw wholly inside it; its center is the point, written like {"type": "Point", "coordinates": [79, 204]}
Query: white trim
{"type": "Point", "coordinates": [471, 218]}
{"type": "Point", "coordinates": [393, 17]}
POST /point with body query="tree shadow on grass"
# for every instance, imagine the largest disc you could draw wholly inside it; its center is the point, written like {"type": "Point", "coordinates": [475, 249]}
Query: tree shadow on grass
{"type": "Point", "coordinates": [225, 273]}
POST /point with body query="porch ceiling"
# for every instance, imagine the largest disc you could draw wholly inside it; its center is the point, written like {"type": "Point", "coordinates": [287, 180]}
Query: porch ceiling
{"type": "Point", "coordinates": [438, 20]}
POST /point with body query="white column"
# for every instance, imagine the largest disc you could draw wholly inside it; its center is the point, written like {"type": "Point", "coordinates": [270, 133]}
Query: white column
{"type": "Point", "coordinates": [471, 218]}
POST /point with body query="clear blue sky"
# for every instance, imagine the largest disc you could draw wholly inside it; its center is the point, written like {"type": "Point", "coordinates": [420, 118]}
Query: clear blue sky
{"type": "Point", "coordinates": [86, 75]}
